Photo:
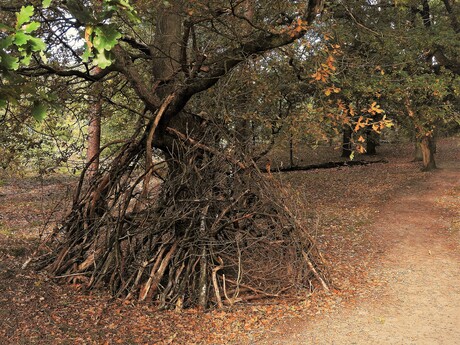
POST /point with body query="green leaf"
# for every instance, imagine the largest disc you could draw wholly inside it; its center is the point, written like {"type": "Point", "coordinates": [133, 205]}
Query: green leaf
{"type": "Point", "coordinates": [44, 57]}
{"type": "Point", "coordinates": [104, 59]}
{"type": "Point", "coordinates": [106, 37]}
{"type": "Point", "coordinates": [3, 103]}
{"type": "Point", "coordinates": [20, 38]}
{"type": "Point", "coordinates": [39, 111]}
{"type": "Point", "coordinates": [24, 15]}
{"type": "Point", "coordinates": [46, 3]}
{"type": "Point", "coordinates": [6, 42]}
{"type": "Point", "coordinates": [36, 44]}
{"type": "Point", "coordinates": [31, 27]}
{"type": "Point", "coordinates": [9, 62]}
{"type": "Point", "coordinates": [26, 59]}
{"type": "Point", "coordinates": [133, 17]}
{"type": "Point", "coordinates": [87, 53]}
{"type": "Point", "coordinates": [123, 4]}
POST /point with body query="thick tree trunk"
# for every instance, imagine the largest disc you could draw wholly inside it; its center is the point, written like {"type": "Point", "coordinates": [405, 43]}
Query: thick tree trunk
{"type": "Point", "coordinates": [166, 49]}
{"type": "Point", "coordinates": [427, 146]}
{"type": "Point", "coordinates": [372, 142]}
{"type": "Point", "coordinates": [418, 155]}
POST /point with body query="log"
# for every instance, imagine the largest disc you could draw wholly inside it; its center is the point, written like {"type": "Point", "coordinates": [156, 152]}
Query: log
{"type": "Point", "coordinates": [327, 165]}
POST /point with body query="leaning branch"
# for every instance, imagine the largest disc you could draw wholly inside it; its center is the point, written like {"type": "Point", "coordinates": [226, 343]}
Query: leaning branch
{"type": "Point", "coordinates": [43, 69]}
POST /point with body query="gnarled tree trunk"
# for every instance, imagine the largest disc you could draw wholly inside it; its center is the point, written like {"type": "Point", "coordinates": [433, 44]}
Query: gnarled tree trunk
{"type": "Point", "coordinates": [206, 235]}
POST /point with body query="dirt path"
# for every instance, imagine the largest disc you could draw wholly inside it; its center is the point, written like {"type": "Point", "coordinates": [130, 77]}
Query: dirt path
{"type": "Point", "coordinates": [417, 295]}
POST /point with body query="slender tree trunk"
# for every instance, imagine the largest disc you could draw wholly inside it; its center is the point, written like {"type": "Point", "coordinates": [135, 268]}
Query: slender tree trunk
{"type": "Point", "coordinates": [418, 156]}
{"type": "Point", "coordinates": [94, 129]}
{"type": "Point", "coordinates": [346, 143]}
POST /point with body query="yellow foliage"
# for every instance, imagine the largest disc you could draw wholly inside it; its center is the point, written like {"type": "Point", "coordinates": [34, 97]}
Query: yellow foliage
{"type": "Point", "coordinates": [331, 90]}
{"type": "Point", "coordinates": [375, 109]}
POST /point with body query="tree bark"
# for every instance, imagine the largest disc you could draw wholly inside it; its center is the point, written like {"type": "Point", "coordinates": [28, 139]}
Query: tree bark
{"type": "Point", "coordinates": [428, 153]}
{"type": "Point", "coordinates": [346, 141]}
{"type": "Point", "coordinates": [418, 155]}
{"type": "Point", "coordinates": [291, 150]}
{"type": "Point", "coordinates": [372, 142]}
{"type": "Point", "coordinates": [94, 129]}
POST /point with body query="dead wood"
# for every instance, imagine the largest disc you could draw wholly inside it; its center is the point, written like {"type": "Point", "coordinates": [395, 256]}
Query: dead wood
{"type": "Point", "coordinates": [214, 222]}
{"type": "Point", "coordinates": [327, 165]}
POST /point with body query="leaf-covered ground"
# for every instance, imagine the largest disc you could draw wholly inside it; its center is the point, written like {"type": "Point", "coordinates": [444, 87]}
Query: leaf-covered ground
{"type": "Point", "coordinates": [338, 205]}
{"type": "Point", "coordinates": [411, 293]}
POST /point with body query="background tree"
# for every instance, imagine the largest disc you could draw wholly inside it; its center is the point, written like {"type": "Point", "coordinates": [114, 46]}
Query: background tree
{"type": "Point", "coordinates": [389, 60]}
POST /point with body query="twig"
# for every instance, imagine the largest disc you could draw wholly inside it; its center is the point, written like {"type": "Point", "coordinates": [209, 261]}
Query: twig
{"type": "Point", "coordinates": [253, 289]}
{"type": "Point", "coordinates": [315, 272]}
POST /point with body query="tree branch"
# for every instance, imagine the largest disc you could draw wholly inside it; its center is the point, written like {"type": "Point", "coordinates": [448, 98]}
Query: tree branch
{"type": "Point", "coordinates": [42, 69]}
{"type": "Point", "coordinates": [125, 66]}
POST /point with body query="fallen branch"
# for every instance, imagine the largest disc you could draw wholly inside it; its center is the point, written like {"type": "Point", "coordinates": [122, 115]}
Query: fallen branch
{"type": "Point", "coordinates": [315, 272]}
{"type": "Point", "coordinates": [327, 165]}
{"type": "Point", "coordinates": [216, 284]}
{"type": "Point", "coordinates": [257, 291]}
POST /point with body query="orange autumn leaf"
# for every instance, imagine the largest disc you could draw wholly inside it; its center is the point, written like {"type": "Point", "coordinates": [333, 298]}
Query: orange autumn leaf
{"type": "Point", "coordinates": [360, 149]}
{"type": "Point", "coordinates": [332, 89]}
{"type": "Point", "coordinates": [352, 111]}
{"type": "Point", "coordinates": [361, 123]}
{"type": "Point", "coordinates": [375, 108]}
{"type": "Point", "coordinates": [330, 63]}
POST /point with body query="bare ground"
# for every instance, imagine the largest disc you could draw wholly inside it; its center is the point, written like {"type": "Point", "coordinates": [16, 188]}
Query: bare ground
{"type": "Point", "coordinates": [390, 233]}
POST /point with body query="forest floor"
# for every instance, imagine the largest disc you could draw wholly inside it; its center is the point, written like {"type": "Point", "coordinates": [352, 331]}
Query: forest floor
{"type": "Point", "coordinates": [390, 234]}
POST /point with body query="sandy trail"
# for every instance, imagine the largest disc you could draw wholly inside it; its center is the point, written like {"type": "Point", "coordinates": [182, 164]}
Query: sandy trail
{"type": "Point", "coordinates": [419, 301]}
